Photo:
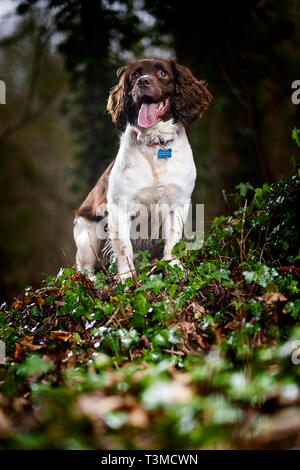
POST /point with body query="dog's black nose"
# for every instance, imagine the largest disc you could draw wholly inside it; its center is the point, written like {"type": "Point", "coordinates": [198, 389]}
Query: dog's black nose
{"type": "Point", "coordinates": [143, 82]}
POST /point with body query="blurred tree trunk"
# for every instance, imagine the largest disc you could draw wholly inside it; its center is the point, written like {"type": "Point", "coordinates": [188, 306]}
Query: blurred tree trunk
{"type": "Point", "coordinates": [89, 29]}
{"type": "Point", "coordinates": [35, 151]}
{"type": "Point", "coordinates": [248, 51]}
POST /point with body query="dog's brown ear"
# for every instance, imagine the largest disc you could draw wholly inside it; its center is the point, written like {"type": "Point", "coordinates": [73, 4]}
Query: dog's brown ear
{"type": "Point", "coordinates": [120, 103]}
{"type": "Point", "coordinates": [191, 98]}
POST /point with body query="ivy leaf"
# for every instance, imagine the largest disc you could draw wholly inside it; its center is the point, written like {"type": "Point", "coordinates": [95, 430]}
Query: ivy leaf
{"type": "Point", "coordinates": [262, 275]}
{"type": "Point", "coordinates": [140, 309]}
{"type": "Point", "coordinates": [293, 308]}
{"type": "Point", "coordinates": [34, 365]}
{"type": "Point", "coordinates": [155, 283]}
{"type": "Point", "coordinates": [128, 337]}
{"type": "Point", "coordinates": [295, 136]}
{"type": "Point", "coordinates": [243, 188]}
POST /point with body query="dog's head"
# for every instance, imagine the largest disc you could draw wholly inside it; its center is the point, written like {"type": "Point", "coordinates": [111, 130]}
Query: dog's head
{"type": "Point", "coordinates": [152, 89]}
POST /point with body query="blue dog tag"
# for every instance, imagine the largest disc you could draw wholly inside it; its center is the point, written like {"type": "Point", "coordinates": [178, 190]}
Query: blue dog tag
{"type": "Point", "coordinates": [164, 153]}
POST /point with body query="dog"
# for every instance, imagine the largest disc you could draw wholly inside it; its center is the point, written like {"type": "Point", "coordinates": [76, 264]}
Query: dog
{"type": "Point", "coordinates": [151, 105]}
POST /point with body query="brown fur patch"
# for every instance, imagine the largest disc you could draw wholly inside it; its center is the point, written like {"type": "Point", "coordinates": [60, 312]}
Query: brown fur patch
{"type": "Point", "coordinates": [97, 197]}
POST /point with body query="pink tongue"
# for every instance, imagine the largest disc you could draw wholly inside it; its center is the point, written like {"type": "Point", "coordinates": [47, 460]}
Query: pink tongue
{"type": "Point", "coordinates": [148, 114]}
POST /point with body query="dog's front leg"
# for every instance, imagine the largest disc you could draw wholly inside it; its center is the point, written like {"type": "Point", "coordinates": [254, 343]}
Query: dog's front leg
{"type": "Point", "coordinates": [174, 224]}
{"type": "Point", "coordinates": [119, 235]}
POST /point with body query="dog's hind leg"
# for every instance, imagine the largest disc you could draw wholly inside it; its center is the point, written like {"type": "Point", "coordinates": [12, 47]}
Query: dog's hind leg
{"type": "Point", "coordinates": [88, 245]}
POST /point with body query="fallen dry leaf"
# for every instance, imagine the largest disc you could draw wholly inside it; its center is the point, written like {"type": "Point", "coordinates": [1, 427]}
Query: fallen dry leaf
{"type": "Point", "coordinates": [40, 300]}
{"type": "Point", "coordinates": [95, 405]}
{"type": "Point", "coordinates": [17, 304]}
{"type": "Point", "coordinates": [181, 393]}
{"type": "Point", "coordinates": [18, 352]}
{"type": "Point", "coordinates": [283, 425]}
{"type": "Point", "coordinates": [5, 425]}
{"type": "Point", "coordinates": [62, 335]}
{"type": "Point", "coordinates": [273, 297]}
{"type": "Point", "coordinates": [138, 418]}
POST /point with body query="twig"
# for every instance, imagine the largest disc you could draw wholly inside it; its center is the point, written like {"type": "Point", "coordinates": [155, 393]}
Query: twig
{"type": "Point", "coordinates": [178, 353]}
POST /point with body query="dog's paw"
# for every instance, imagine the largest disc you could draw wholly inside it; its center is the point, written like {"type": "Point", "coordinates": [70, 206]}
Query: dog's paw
{"type": "Point", "coordinates": [92, 277]}
{"type": "Point", "coordinates": [176, 262]}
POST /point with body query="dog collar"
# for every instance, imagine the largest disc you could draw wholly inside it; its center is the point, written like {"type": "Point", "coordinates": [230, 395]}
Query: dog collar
{"type": "Point", "coordinates": [162, 153]}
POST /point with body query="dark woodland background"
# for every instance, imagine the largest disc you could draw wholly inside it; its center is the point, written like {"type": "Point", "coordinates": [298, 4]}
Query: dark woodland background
{"type": "Point", "coordinates": [59, 58]}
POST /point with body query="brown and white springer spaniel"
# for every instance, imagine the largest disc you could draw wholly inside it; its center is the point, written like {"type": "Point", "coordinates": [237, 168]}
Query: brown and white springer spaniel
{"type": "Point", "coordinates": [152, 104]}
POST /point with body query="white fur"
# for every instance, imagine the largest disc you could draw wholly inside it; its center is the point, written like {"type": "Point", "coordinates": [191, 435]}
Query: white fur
{"type": "Point", "coordinates": [140, 177]}
{"type": "Point", "coordinates": [87, 243]}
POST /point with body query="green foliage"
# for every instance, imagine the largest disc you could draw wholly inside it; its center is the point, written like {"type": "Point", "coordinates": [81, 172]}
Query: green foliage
{"type": "Point", "coordinates": [261, 275]}
{"type": "Point", "coordinates": [34, 365]}
{"type": "Point", "coordinates": [295, 136]}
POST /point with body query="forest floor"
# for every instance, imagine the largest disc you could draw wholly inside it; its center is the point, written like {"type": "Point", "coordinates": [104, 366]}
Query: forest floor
{"type": "Point", "coordinates": [206, 358]}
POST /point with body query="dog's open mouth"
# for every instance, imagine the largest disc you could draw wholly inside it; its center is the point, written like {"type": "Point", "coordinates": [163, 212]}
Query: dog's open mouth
{"type": "Point", "coordinates": [150, 112]}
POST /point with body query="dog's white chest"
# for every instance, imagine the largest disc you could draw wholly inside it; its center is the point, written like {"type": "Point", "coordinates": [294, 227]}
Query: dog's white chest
{"type": "Point", "coordinates": [142, 177]}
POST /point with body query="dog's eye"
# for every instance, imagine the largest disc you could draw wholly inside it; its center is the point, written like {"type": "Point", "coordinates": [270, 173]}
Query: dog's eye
{"type": "Point", "coordinates": [162, 73]}
{"type": "Point", "coordinates": [135, 75]}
